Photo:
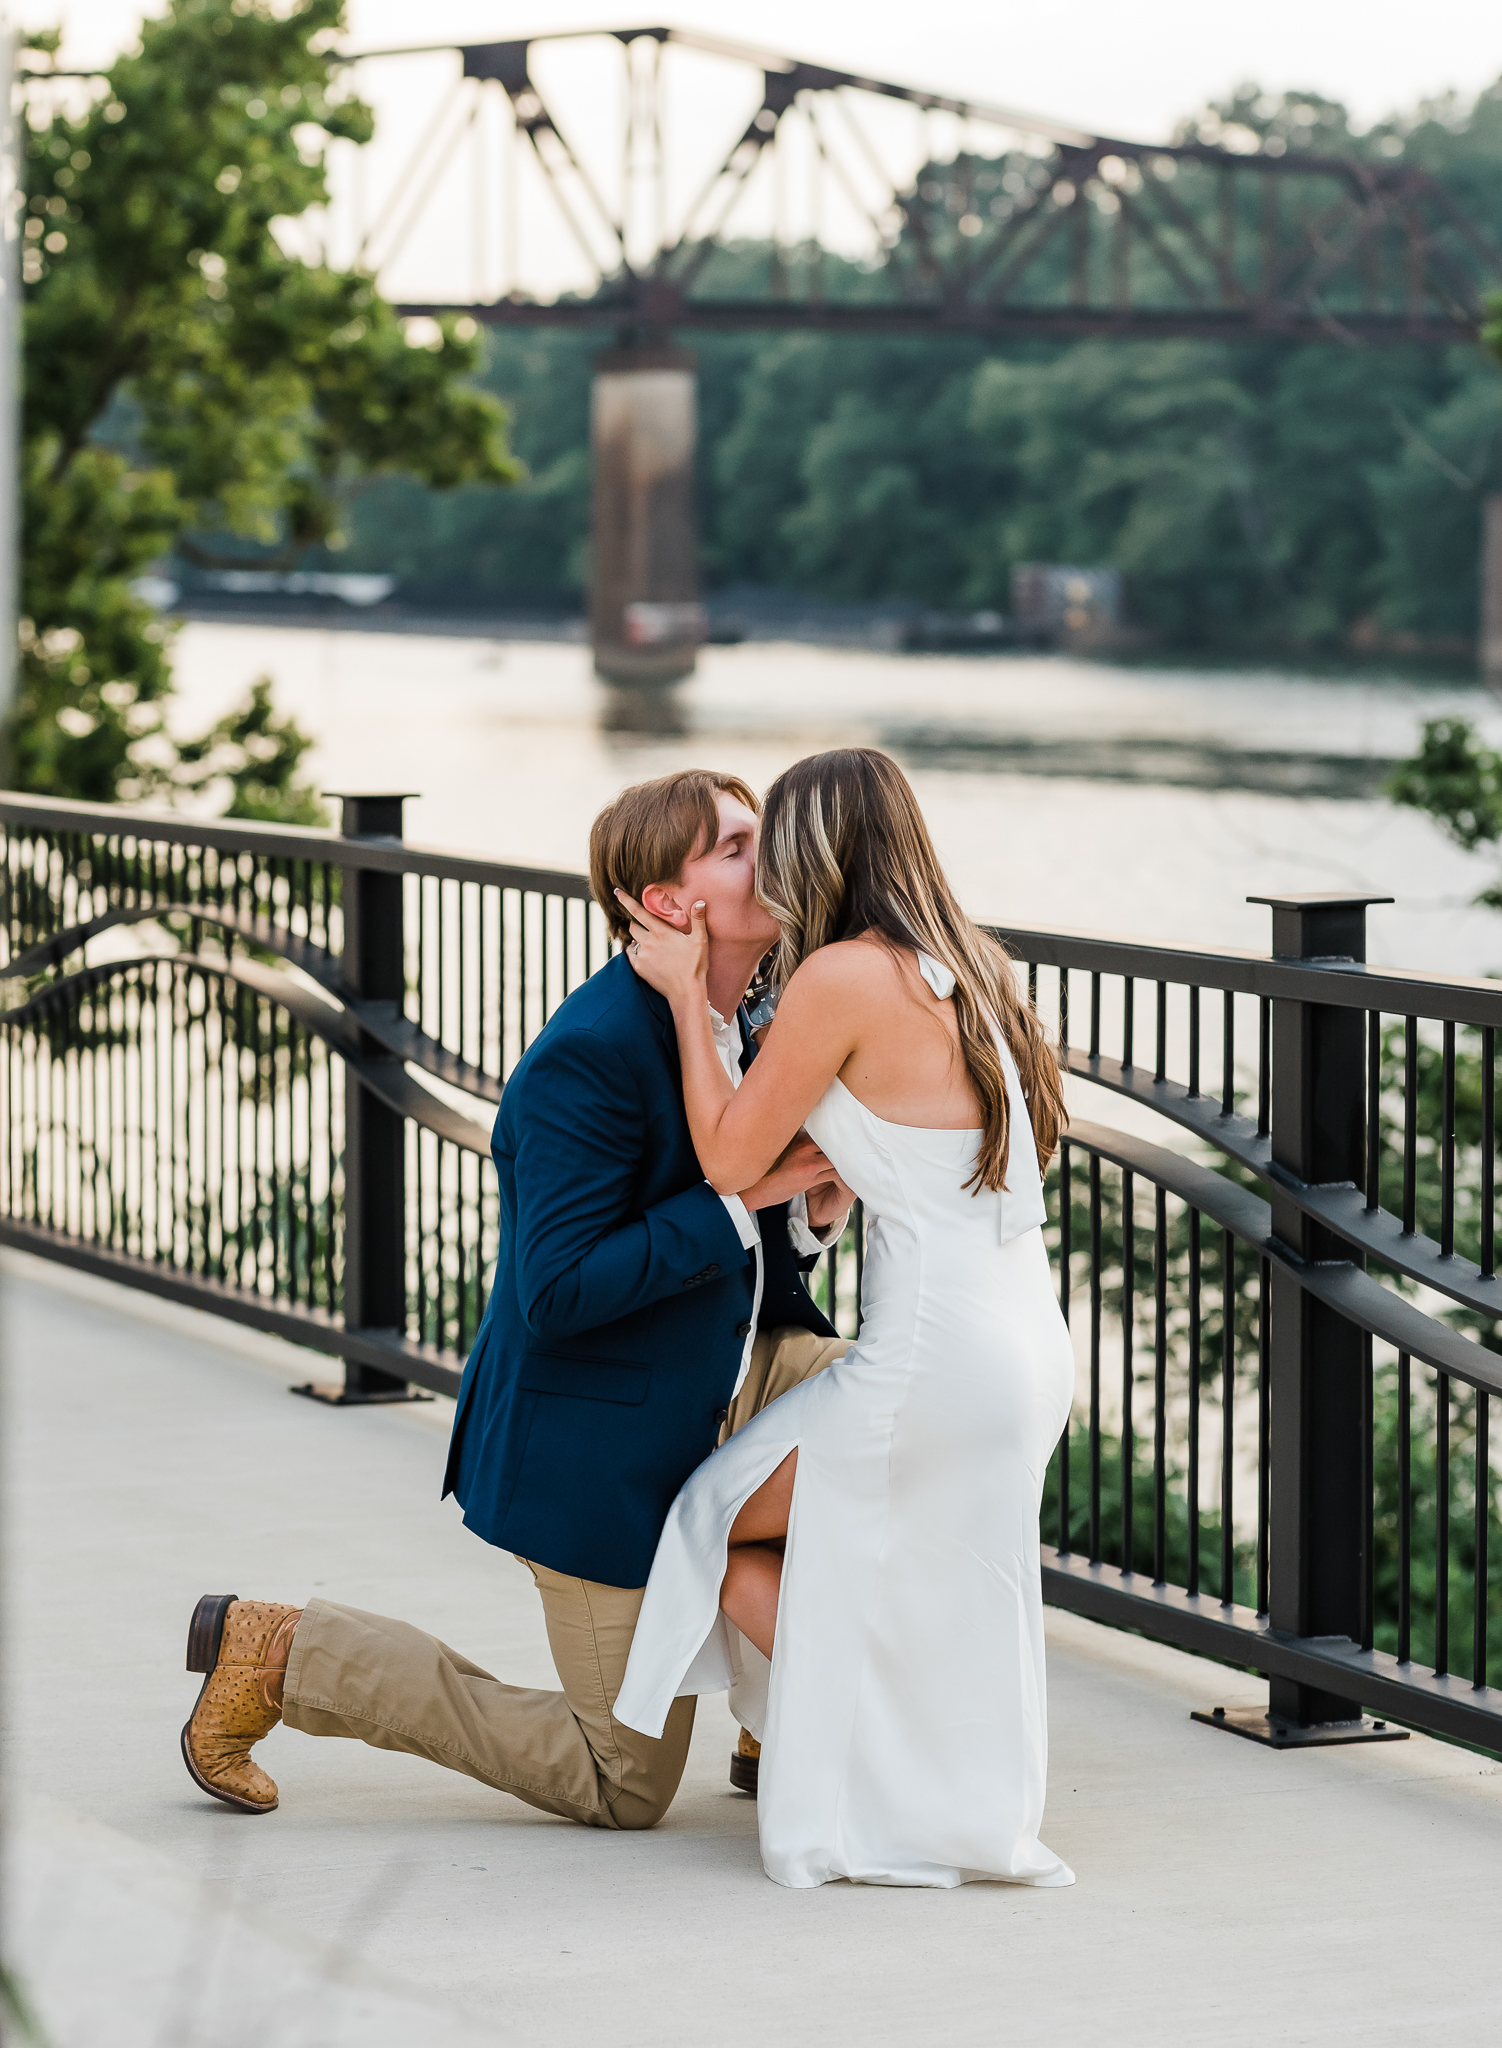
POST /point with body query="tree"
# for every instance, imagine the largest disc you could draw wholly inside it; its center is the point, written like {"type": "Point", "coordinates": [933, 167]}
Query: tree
{"type": "Point", "coordinates": [184, 376]}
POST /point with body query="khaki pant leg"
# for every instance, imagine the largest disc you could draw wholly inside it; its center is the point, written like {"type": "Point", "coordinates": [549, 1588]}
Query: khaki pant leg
{"type": "Point", "coordinates": [590, 1628]}
{"type": "Point", "coordinates": [780, 1359]}
{"type": "Point", "coordinates": [389, 1684]}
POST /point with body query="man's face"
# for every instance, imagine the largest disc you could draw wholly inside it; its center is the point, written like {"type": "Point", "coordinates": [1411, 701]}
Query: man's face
{"type": "Point", "coordinates": [721, 877]}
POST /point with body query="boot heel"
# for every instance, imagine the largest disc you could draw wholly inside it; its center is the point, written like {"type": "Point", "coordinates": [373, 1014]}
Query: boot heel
{"type": "Point", "coordinates": [206, 1630]}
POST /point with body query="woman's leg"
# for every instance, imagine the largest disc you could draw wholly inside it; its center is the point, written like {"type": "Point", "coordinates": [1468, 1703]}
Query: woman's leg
{"type": "Point", "coordinates": [753, 1567]}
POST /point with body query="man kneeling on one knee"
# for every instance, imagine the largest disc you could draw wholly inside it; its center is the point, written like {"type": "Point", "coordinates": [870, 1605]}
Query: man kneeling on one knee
{"type": "Point", "coordinates": [636, 1319]}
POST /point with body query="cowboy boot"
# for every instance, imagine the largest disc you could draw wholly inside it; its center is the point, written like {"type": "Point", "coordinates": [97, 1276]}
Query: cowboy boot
{"type": "Point", "coordinates": [243, 1646]}
{"type": "Point", "coordinates": [745, 1763]}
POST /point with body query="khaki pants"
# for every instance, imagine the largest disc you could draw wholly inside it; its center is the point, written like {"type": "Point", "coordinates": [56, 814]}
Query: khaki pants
{"type": "Point", "coordinates": [389, 1684]}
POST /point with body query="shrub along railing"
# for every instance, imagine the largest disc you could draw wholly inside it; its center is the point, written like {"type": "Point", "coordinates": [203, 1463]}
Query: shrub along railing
{"type": "Point", "coordinates": [252, 1068]}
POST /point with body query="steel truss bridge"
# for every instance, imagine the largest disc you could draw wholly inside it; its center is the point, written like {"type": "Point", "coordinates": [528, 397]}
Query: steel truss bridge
{"type": "Point", "coordinates": [579, 178]}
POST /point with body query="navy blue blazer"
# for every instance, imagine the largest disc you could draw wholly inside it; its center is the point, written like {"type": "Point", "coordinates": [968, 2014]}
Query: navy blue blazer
{"type": "Point", "coordinates": [621, 1301]}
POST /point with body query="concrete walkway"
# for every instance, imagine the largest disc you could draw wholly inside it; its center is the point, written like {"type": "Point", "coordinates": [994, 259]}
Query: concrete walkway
{"type": "Point", "coordinates": [1225, 1895]}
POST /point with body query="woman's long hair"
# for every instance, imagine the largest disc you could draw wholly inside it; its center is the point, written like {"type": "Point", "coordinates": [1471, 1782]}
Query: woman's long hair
{"type": "Point", "coordinates": [845, 850]}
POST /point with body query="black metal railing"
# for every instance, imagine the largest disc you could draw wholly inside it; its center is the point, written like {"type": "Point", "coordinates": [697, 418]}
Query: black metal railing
{"type": "Point", "coordinates": [1289, 1355]}
{"type": "Point", "coordinates": [252, 1068]}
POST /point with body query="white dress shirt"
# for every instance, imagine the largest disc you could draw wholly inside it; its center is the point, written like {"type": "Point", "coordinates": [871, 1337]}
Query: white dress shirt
{"type": "Point", "coordinates": [804, 1239]}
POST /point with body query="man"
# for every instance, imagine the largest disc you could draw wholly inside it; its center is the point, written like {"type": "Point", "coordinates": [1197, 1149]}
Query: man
{"type": "Point", "coordinates": [636, 1317]}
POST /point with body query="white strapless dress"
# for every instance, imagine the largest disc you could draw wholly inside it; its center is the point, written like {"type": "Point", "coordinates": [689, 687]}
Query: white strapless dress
{"type": "Point", "coordinates": [903, 1717]}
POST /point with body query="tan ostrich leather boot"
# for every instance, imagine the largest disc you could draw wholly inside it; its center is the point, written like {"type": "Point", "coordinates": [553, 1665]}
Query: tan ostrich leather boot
{"type": "Point", "coordinates": [243, 1646]}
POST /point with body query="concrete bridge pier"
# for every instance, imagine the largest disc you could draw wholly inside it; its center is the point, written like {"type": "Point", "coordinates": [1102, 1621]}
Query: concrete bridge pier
{"type": "Point", "coordinates": [1491, 594]}
{"type": "Point", "coordinates": [646, 621]}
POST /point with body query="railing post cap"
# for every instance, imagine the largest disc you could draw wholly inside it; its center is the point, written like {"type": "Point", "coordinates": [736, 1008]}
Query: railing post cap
{"type": "Point", "coordinates": [371, 814]}
{"type": "Point", "coordinates": [370, 796]}
{"type": "Point", "coordinates": [1319, 926]}
{"type": "Point", "coordinates": [1320, 902]}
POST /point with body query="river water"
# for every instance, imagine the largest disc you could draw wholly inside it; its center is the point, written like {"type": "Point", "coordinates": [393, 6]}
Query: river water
{"type": "Point", "coordinates": [1063, 792]}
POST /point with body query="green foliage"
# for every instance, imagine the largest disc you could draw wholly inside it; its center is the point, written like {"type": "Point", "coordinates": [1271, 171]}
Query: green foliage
{"type": "Point", "coordinates": [257, 753]}
{"type": "Point", "coordinates": [1457, 781]}
{"type": "Point", "coordinates": [183, 375]}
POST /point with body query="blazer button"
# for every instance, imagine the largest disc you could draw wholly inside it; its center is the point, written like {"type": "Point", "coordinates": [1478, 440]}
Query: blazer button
{"type": "Point", "coordinates": [721, 1416]}
{"type": "Point", "coordinates": [743, 1331]}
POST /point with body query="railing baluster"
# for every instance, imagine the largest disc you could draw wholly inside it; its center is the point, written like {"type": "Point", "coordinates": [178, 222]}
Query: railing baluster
{"type": "Point", "coordinates": [1160, 1387]}
{"type": "Point", "coordinates": [1481, 1535]}
{"type": "Point", "coordinates": [461, 949]}
{"type": "Point", "coordinates": [1368, 1561]}
{"type": "Point", "coordinates": [1128, 1021]}
{"type": "Point", "coordinates": [440, 921]}
{"type": "Point", "coordinates": [1410, 1123]}
{"type": "Point", "coordinates": [1194, 1040]}
{"type": "Point", "coordinates": [1227, 1416]}
{"type": "Point", "coordinates": [1264, 1065]}
{"type": "Point", "coordinates": [420, 1196]}
{"type": "Point", "coordinates": [1441, 1524]}
{"type": "Point", "coordinates": [1192, 1481]}
{"type": "Point", "coordinates": [1488, 1149]}
{"type": "Point", "coordinates": [1405, 1509]}
{"type": "Point", "coordinates": [1447, 1148]}
{"type": "Point", "coordinates": [858, 1223]}
{"type": "Point", "coordinates": [1066, 1249]}
{"type": "Point", "coordinates": [1095, 1311]}
{"type": "Point", "coordinates": [1228, 1054]}
{"type": "Point", "coordinates": [1160, 1067]}
{"type": "Point", "coordinates": [1128, 1314]}
{"type": "Point", "coordinates": [1373, 1109]}
{"type": "Point", "coordinates": [1264, 1428]}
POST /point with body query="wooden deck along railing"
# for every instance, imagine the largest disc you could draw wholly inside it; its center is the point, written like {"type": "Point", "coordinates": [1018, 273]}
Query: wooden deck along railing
{"type": "Point", "coordinates": [252, 1068]}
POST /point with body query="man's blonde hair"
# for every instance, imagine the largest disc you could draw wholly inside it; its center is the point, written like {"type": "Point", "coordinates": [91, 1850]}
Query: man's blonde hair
{"type": "Point", "coordinates": [646, 834]}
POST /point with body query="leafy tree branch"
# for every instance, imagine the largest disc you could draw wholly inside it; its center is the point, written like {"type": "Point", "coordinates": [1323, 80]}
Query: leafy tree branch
{"type": "Point", "coordinates": [183, 374]}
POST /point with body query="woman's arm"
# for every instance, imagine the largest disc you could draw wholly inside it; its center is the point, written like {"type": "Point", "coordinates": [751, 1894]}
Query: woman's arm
{"type": "Point", "coordinates": [739, 1132]}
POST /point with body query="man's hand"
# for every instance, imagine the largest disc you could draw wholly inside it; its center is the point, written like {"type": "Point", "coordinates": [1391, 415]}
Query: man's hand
{"type": "Point", "coordinates": [829, 1201]}
{"type": "Point", "coordinates": [802, 1166]}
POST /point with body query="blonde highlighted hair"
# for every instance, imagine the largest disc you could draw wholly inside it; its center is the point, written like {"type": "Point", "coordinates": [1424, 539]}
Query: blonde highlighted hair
{"type": "Point", "coordinates": [845, 851]}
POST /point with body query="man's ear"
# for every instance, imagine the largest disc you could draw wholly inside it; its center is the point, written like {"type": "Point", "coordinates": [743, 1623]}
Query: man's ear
{"type": "Point", "coordinates": [662, 901]}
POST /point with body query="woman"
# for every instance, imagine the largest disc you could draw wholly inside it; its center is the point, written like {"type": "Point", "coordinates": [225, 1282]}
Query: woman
{"type": "Point", "coordinates": [872, 1536]}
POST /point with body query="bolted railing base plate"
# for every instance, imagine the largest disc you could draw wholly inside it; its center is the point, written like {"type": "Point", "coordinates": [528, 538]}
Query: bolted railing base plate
{"type": "Point", "coordinates": [1257, 1725]}
{"type": "Point", "coordinates": [334, 1394]}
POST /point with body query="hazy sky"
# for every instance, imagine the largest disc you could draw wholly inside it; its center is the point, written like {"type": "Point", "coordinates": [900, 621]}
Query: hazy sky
{"type": "Point", "coordinates": [1123, 69]}
{"type": "Point", "coordinates": [487, 226]}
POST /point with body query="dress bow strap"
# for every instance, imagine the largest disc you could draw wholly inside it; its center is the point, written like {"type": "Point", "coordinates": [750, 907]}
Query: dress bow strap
{"type": "Point", "coordinates": [937, 975]}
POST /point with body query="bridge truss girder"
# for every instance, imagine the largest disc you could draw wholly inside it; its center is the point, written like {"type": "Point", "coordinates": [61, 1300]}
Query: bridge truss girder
{"type": "Point", "coordinates": [1027, 229]}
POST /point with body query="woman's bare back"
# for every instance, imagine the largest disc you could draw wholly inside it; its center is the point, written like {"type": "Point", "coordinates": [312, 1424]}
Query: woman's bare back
{"type": "Point", "coordinates": [906, 1065]}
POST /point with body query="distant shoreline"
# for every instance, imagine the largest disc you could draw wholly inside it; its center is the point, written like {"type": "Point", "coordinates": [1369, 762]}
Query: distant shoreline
{"type": "Point", "coordinates": [870, 629]}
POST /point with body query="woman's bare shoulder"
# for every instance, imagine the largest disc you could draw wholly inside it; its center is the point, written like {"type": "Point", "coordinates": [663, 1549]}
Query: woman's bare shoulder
{"type": "Point", "coordinates": [854, 968]}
